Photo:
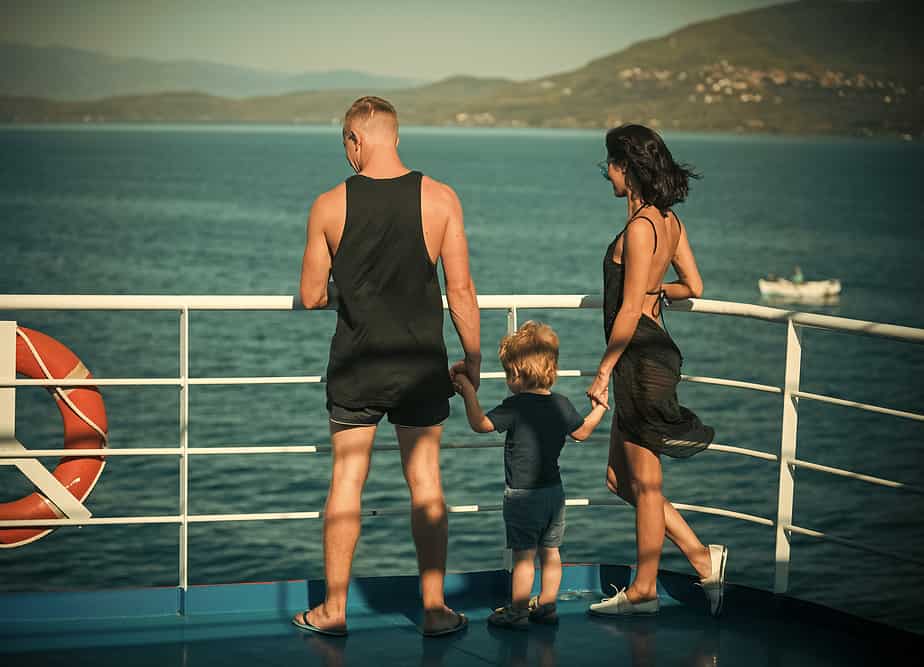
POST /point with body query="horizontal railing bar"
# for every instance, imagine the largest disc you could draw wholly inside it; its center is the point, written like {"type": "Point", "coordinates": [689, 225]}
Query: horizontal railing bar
{"type": "Point", "coordinates": [743, 452]}
{"type": "Point", "coordinates": [315, 379]}
{"type": "Point", "coordinates": [145, 302]}
{"type": "Point", "coordinates": [106, 452]}
{"type": "Point", "coordinates": [485, 301]}
{"type": "Point", "coordinates": [205, 451]}
{"type": "Point", "coordinates": [91, 382]}
{"type": "Point", "coordinates": [722, 512]}
{"type": "Point", "coordinates": [305, 449]}
{"type": "Point", "coordinates": [852, 544]}
{"type": "Point", "coordinates": [814, 320]}
{"type": "Point", "coordinates": [239, 302]}
{"type": "Point", "coordinates": [614, 502]}
{"type": "Point", "coordinates": [535, 301]}
{"type": "Point", "coordinates": [769, 388]}
{"type": "Point", "coordinates": [220, 518]}
{"type": "Point", "coordinates": [856, 475]}
{"type": "Point", "coordinates": [272, 516]}
{"type": "Point", "coordinates": [107, 382]}
{"type": "Point", "coordinates": [859, 406]}
{"type": "Point", "coordinates": [273, 379]}
{"type": "Point", "coordinates": [91, 521]}
{"type": "Point", "coordinates": [257, 449]}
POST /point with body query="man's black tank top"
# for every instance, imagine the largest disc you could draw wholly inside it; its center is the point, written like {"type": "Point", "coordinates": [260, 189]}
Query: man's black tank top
{"type": "Point", "coordinates": [388, 347]}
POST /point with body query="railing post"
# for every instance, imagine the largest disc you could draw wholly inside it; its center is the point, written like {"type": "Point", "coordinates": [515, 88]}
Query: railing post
{"type": "Point", "coordinates": [7, 372]}
{"type": "Point", "coordinates": [511, 328]}
{"type": "Point", "coordinates": [184, 456]}
{"type": "Point", "coordinates": [788, 434]}
{"type": "Point", "coordinates": [511, 320]}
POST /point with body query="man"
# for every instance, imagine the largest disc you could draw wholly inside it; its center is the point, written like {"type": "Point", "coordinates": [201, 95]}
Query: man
{"type": "Point", "coordinates": [380, 235]}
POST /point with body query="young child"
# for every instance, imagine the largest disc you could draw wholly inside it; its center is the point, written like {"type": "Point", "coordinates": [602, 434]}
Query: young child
{"type": "Point", "coordinates": [536, 421]}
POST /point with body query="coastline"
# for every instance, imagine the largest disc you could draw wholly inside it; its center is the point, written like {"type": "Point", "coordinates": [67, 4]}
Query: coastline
{"type": "Point", "coordinates": [415, 129]}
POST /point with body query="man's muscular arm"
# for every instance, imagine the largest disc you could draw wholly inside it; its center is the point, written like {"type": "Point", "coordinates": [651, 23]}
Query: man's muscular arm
{"type": "Point", "coordinates": [316, 261]}
{"type": "Point", "coordinates": [460, 288]}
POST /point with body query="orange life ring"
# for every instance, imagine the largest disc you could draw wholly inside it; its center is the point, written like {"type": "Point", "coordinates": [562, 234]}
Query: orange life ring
{"type": "Point", "coordinates": [85, 427]}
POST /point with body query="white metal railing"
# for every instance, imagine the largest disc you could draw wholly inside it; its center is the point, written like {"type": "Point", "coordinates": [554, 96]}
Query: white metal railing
{"type": "Point", "coordinates": [786, 458]}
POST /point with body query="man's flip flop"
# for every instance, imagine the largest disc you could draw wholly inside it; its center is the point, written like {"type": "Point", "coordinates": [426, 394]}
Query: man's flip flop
{"type": "Point", "coordinates": [460, 625]}
{"type": "Point", "coordinates": [306, 625]}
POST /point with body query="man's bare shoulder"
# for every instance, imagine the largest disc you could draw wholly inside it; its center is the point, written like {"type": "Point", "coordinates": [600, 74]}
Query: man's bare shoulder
{"type": "Point", "coordinates": [329, 210]}
{"type": "Point", "coordinates": [332, 201]}
{"type": "Point", "coordinates": [438, 196]}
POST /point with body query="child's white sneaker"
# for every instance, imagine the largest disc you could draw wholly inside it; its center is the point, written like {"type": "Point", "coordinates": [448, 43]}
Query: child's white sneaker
{"type": "Point", "coordinates": [714, 584]}
{"type": "Point", "coordinates": [619, 605]}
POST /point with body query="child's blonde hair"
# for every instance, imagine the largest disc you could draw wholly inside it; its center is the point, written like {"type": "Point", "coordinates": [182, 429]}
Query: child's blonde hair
{"type": "Point", "coordinates": [530, 355]}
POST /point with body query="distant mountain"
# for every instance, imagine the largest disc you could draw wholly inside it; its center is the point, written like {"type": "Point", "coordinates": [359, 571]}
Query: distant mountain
{"type": "Point", "coordinates": [817, 66]}
{"type": "Point", "coordinates": [73, 74]}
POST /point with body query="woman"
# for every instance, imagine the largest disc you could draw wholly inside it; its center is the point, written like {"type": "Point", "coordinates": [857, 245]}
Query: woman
{"type": "Point", "coordinates": [645, 362]}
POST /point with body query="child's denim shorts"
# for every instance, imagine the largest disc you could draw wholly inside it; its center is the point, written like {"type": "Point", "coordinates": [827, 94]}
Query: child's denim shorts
{"type": "Point", "coordinates": [534, 517]}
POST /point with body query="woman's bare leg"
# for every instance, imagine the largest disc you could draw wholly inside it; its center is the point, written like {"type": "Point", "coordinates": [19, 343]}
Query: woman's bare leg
{"type": "Point", "coordinates": [618, 481]}
{"type": "Point", "coordinates": [644, 468]}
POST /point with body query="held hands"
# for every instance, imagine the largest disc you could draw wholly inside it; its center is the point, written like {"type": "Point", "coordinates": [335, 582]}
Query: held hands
{"type": "Point", "coordinates": [599, 392]}
{"type": "Point", "coordinates": [469, 368]}
{"type": "Point", "coordinates": [462, 384]}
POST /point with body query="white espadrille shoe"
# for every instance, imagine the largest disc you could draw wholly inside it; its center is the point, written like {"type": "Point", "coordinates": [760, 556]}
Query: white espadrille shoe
{"type": "Point", "coordinates": [714, 584]}
{"type": "Point", "coordinates": [619, 605]}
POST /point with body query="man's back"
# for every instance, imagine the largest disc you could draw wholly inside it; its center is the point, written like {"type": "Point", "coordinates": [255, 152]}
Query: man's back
{"type": "Point", "coordinates": [388, 347]}
{"type": "Point", "coordinates": [438, 205]}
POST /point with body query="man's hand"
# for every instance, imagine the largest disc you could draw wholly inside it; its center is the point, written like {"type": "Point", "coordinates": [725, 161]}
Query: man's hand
{"type": "Point", "coordinates": [470, 367]}
{"type": "Point", "coordinates": [462, 384]}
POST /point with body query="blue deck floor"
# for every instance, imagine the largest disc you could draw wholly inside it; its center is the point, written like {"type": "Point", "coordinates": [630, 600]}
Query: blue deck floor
{"type": "Point", "coordinates": [248, 624]}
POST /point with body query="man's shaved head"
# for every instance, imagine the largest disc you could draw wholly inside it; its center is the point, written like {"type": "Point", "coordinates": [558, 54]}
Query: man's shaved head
{"type": "Point", "coordinates": [372, 113]}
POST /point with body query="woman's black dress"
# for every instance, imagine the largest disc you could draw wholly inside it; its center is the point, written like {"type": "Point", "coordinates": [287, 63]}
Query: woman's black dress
{"type": "Point", "coordinates": [645, 380]}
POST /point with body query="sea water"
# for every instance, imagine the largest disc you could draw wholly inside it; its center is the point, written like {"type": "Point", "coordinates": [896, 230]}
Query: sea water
{"type": "Point", "coordinates": [222, 211]}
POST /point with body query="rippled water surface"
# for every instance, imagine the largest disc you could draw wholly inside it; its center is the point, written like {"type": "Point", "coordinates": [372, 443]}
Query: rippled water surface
{"type": "Point", "coordinates": [156, 210]}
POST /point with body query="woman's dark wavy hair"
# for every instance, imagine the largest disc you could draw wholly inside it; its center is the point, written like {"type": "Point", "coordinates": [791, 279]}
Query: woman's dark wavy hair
{"type": "Point", "coordinates": [662, 181]}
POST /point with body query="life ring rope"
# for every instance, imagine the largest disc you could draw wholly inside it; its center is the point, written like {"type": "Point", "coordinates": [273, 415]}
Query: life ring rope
{"type": "Point", "coordinates": [61, 394]}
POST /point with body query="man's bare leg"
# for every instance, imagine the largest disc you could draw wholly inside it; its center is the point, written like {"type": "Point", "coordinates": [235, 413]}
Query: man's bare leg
{"type": "Point", "coordinates": [420, 456]}
{"type": "Point", "coordinates": [352, 453]}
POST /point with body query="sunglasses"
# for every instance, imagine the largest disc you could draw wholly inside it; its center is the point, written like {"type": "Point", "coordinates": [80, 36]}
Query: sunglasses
{"type": "Point", "coordinates": [604, 167]}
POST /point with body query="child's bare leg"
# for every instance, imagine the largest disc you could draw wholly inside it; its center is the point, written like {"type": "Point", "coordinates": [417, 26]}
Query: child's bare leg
{"type": "Point", "coordinates": [550, 559]}
{"type": "Point", "coordinates": [524, 570]}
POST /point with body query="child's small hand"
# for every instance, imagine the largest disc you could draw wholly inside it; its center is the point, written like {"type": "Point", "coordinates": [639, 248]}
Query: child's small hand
{"type": "Point", "coordinates": [461, 383]}
{"type": "Point", "coordinates": [603, 400]}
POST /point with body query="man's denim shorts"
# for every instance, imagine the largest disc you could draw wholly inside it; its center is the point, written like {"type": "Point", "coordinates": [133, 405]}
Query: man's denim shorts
{"type": "Point", "coordinates": [534, 517]}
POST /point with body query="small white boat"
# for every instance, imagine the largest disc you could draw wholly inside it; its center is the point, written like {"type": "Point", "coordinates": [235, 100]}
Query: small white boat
{"type": "Point", "coordinates": [808, 290]}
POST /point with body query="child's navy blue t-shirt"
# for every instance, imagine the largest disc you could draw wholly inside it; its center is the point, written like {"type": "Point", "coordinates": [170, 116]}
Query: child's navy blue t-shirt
{"type": "Point", "coordinates": [536, 426]}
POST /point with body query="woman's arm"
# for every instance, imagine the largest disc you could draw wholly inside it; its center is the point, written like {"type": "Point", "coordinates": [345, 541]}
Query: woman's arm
{"type": "Point", "coordinates": [689, 284]}
{"type": "Point", "coordinates": [637, 251]}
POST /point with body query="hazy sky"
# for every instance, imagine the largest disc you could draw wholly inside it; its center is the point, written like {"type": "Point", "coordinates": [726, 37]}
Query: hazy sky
{"type": "Point", "coordinates": [432, 39]}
